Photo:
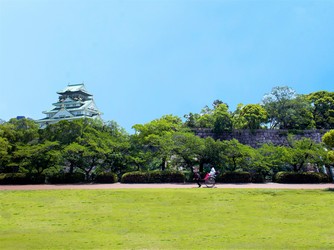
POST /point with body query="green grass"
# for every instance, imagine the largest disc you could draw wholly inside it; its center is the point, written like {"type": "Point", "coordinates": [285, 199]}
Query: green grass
{"type": "Point", "coordinates": [167, 219]}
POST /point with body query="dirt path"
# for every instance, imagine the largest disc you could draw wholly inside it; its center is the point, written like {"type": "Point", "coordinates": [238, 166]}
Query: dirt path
{"type": "Point", "coordinates": [166, 185]}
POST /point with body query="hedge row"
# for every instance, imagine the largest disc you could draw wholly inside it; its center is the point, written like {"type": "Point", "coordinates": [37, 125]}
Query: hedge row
{"type": "Point", "coordinates": [235, 177]}
{"type": "Point", "coordinates": [240, 177]}
{"type": "Point", "coordinates": [159, 177]}
{"type": "Point", "coordinates": [305, 177]}
{"type": "Point", "coordinates": [60, 178]}
{"type": "Point", "coordinates": [153, 177]}
{"type": "Point", "coordinates": [106, 178]}
{"type": "Point", "coordinates": [66, 178]}
{"type": "Point", "coordinates": [21, 179]}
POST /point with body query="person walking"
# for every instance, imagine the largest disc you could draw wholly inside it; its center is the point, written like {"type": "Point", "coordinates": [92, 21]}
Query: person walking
{"type": "Point", "coordinates": [197, 178]}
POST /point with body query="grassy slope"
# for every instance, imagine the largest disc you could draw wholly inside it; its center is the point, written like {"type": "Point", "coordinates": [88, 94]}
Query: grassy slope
{"type": "Point", "coordinates": [167, 219]}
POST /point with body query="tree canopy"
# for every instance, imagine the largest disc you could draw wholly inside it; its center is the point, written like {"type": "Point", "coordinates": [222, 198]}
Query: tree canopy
{"type": "Point", "coordinates": [90, 147]}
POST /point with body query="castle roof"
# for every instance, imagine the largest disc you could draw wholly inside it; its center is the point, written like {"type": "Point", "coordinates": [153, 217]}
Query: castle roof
{"type": "Point", "coordinates": [74, 88]}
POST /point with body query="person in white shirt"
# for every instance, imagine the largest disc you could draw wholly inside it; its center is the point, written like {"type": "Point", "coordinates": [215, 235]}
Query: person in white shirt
{"type": "Point", "coordinates": [212, 172]}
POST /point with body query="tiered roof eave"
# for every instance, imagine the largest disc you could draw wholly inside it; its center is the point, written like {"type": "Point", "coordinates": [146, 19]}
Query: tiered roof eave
{"type": "Point", "coordinates": [72, 88]}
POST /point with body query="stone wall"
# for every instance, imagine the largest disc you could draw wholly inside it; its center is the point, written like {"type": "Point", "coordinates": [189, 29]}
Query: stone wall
{"type": "Point", "coordinates": [255, 138]}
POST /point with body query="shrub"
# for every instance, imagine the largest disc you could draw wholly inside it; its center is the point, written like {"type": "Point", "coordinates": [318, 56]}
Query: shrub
{"type": "Point", "coordinates": [166, 176]}
{"type": "Point", "coordinates": [66, 178]}
{"type": "Point", "coordinates": [21, 179]}
{"type": "Point", "coordinates": [188, 176]}
{"type": "Point", "coordinates": [235, 177]}
{"type": "Point", "coordinates": [36, 178]}
{"type": "Point", "coordinates": [176, 177]}
{"type": "Point", "coordinates": [106, 177]}
{"type": "Point", "coordinates": [134, 177]}
{"type": "Point", "coordinates": [153, 177]}
{"type": "Point", "coordinates": [305, 177]}
{"type": "Point", "coordinates": [257, 178]}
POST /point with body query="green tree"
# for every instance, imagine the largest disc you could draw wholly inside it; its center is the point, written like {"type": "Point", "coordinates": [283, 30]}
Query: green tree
{"type": "Point", "coordinates": [38, 158]}
{"type": "Point", "coordinates": [273, 157]}
{"type": "Point", "coordinates": [256, 162]}
{"type": "Point", "coordinates": [115, 130]}
{"type": "Point", "coordinates": [276, 104]}
{"type": "Point", "coordinates": [73, 156]}
{"type": "Point", "coordinates": [254, 114]}
{"type": "Point", "coordinates": [192, 120]}
{"type": "Point", "coordinates": [20, 132]}
{"type": "Point", "coordinates": [217, 117]}
{"type": "Point", "coordinates": [157, 137]}
{"type": "Point", "coordinates": [299, 114]}
{"type": "Point", "coordinates": [328, 138]}
{"type": "Point", "coordinates": [93, 156]}
{"type": "Point", "coordinates": [323, 112]}
{"type": "Point", "coordinates": [88, 146]}
{"type": "Point", "coordinates": [117, 158]}
{"type": "Point", "coordinates": [15, 134]}
{"type": "Point", "coordinates": [235, 155]}
{"type": "Point", "coordinates": [65, 132]}
{"type": "Point", "coordinates": [211, 153]}
{"type": "Point", "coordinates": [238, 120]}
{"type": "Point", "coordinates": [118, 150]}
{"type": "Point", "coordinates": [94, 141]}
{"type": "Point", "coordinates": [86, 157]}
{"type": "Point", "coordinates": [141, 157]}
{"type": "Point", "coordinates": [287, 110]}
{"type": "Point", "coordinates": [188, 147]}
{"type": "Point", "coordinates": [222, 119]}
{"type": "Point", "coordinates": [206, 119]}
{"type": "Point", "coordinates": [303, 151]}
{"type": "Point", "coordinates": [5, 149]}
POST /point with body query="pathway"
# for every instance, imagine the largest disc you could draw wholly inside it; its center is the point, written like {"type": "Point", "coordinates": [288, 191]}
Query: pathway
{"type": "Point", "coordinates": [165, 185]}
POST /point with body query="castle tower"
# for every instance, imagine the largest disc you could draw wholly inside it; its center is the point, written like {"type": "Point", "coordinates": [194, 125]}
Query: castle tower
{"type": "Point", "coordinates": [74, 103]}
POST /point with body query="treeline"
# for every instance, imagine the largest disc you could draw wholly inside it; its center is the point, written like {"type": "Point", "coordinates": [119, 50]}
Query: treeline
{"type": "Point", "coordinates": [91, 150]}
{"type": "Point", "coordinates": [283, 108]}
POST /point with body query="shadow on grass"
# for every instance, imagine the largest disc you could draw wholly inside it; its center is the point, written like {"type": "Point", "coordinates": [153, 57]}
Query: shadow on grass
{"type": "Point", "coordinates": [329, 190]}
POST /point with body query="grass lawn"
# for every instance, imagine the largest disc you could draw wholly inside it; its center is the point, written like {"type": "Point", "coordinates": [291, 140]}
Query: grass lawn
{"type": "Point", "coordinates": [167, 219]}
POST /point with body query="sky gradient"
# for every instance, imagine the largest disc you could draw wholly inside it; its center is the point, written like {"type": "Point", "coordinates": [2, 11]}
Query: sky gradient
{"type": "Point", "coordinates": [144, 59]}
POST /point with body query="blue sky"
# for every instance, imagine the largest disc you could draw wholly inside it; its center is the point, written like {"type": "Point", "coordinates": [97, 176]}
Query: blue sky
{"type": "Point", "coordinates": [144, 59]}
